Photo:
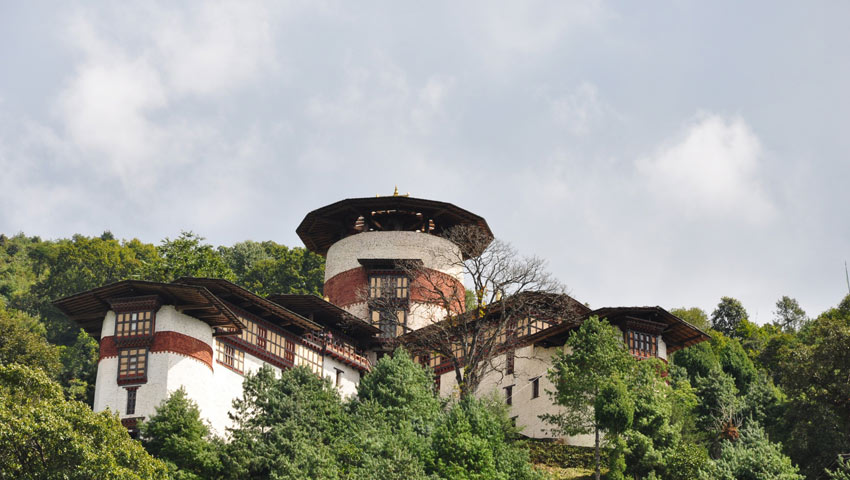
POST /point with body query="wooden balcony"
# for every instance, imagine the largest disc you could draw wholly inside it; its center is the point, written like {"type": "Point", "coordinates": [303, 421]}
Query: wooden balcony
{"type": "Point", "coordinates": [338, 349]}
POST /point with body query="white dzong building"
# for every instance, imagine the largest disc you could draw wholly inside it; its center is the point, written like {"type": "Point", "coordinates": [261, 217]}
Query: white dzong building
{"type": "Point", "coordinates": [204, 334]}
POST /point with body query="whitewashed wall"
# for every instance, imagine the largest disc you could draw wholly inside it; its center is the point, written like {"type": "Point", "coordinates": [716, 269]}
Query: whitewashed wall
{"type": "Point", "coordinates": [350, 376]}
{"type": "Point", "coordinates": [529, 362]}
{"type": "Point", "coordinates": [435, 252]}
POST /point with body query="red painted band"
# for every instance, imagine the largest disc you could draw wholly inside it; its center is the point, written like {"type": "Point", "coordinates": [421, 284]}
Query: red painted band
{"type": "Point", "coordinates": [173, 342]}
{"type": "Point", "coordinates": [351, 286]}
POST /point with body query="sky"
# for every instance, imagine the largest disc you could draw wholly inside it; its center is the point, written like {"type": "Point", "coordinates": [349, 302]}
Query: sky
{"type": "Point", "coordinates": [655, 153]}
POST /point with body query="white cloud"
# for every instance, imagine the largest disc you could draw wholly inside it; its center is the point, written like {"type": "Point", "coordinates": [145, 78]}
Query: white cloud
{"type": "Point", "coordinates": [222, 46]}
{"type": "Point", "coordinates": [581, 110]}
{"type": "Point", "coordinates": [116, 108]}
{"type": "Point", "coordinates": [531, 27]}
{"type": "Point", "coordinates": [712, 167]}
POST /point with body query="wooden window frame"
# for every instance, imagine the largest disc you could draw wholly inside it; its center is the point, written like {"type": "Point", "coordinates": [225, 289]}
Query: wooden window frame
{"type": "Point", "coordinates": [510, 361]}
{"type": "Point", "coordinates": [133, 355]}
{"type": "Point", "coordinates": [273, 344]}
{"type": "Point", "coordinates": [131, 400]}
{"type": "Point", "coordinates": [642, 344]}
{"type": "Point", "coordinates": [135, 318]}
{"type": "Point", "coordinates": [509, 395]}
{"type": "Point", "coordinates": [386, 320]}
{"type": "Point", "coordinates": [535, 387]}
{"type": "Point", "coordinates": [230, 357]}
{"type": "Point", "coordinates": [389, 285]}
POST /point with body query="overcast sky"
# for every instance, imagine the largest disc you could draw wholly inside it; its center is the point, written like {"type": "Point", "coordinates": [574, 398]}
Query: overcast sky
{"type": "Point", "coordinates": [656, 153]}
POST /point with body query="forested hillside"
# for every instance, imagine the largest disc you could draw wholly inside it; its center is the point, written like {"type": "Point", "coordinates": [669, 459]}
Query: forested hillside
{"type": "Point", "coordinates": [757, 401]}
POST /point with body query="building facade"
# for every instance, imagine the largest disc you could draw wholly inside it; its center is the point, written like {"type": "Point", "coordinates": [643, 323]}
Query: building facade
{"type": "Point", "coordinates": [205, 335]}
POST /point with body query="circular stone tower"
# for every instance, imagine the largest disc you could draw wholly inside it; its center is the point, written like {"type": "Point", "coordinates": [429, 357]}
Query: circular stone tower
{"type": "Point", "coordinates": [367, 240]}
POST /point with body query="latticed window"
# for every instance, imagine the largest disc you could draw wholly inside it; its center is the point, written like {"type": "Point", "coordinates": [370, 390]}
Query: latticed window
{"type": "Point", "coordinates": [309, 358]}
{"type": "Point", "coordinates": [231, 357]}
{"type": "Point", "coordinates": [642, 344]}
{"type": "Point", "coordinates": [132, 363]}
{"type": "Point", "coordinates": [133, 323]}
{"type": "Point", "coordinates": [510, 359]}
{"type": "Point", "coordinates": [392, 286]}
{"type": "Point", "coordinates": [392, 323]}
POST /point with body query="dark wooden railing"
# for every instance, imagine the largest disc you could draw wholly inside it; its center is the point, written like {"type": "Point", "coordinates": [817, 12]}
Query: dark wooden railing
{"type": "Point", "coordinates": [337, 348]}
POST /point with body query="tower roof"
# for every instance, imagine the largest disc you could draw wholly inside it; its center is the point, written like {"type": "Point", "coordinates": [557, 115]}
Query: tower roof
{"type": "Point", "coordinates": [323, 227]}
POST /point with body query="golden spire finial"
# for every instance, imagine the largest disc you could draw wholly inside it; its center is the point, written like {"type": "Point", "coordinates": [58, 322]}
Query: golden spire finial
{"type": "Point", "coordinates": [395, 192]}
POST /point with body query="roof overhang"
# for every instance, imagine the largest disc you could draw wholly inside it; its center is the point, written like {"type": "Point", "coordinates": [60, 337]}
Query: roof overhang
{"type": "Point", "coordinates": [87, 309]}
{"type": "Point", "coordinates": [251, 302]}
{"type": "Point", "coordinates": [326, 313]}
{"type": "Point", "coordinates": [677, 333]}
{"type": "Point", "coordinates": [323, 227]}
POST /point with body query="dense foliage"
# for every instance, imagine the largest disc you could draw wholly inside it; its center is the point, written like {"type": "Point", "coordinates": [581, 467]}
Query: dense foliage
{"type": "Point", "coordinates": [296, 426]}
{"type": "Point", "coordinates": [589, 384]}
{"type": "Point", "coordinates": [43, 435]}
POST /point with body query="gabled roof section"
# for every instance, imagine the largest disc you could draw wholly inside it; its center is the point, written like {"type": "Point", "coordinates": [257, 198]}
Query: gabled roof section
{"type": "Point", "coordinates": [530, 302]}
{"type": "Point", "coordinates": [88, 308]}
{"type": "Point", "coordinates": [251, 302]}
{"type": "Point", "coordinates": [323, 227]}
{"type": "Point", "coordinates": [326, 313]}
{"type": "Point", "coordinates": [677, 333]}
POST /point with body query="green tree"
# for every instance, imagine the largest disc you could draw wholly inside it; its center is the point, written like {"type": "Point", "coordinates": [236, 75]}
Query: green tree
{"type": "Point", "coordinates": [752, 457]}
{"type": "Point", "coordinates": [789, 316]}
{"type": "Point", "coordinates": [22, 341]}
{"type": "Point", "coordinates": [697, 360]}
{"type": "Point", "coordinates": [18, 268]}
{"type": "Point", "coordinates": [177, 435]}
{"type": "Point", "coordinates": [402, 388]}
{"type": "Point", "coordinates": [80, 264]}
{"type": "Point", "coordinates": [728, 314]}
{"type": "Point", "coordinates": [187, 256]}
{"type": "Point", "coordinates": [718, 411]}
{"type": "Point", "coordinates": [614, 411]}
{"type": "Point", "coordinates": [286, 428]}
{"type": "Point", "coordinates": [653, 435]}
{"type": "Point", "coordinates": [242, 256]}
{"type": "Point", "coordinates": [842, 470]}
{"type": "Point", "coordinates": [764, 402]}
{"type": "Point", "coordinates": [285, 270]}
{"type": "Point", "coordinates": [79, 367]}
{"type": "Point", "coordinates": [473, 442]}
{"type": "Point", "coordinates": [393, 417]}
{"type": "Point", "coordinates": [734, 361]}
{"type": "Point", "coordinates": [597, 354]}
{"type": "Point", "coordinates": [818, 413]}
{"type": "Point", "coordinates": [695, 316]}
{"type": "Point", "coordinates": [45, 436]}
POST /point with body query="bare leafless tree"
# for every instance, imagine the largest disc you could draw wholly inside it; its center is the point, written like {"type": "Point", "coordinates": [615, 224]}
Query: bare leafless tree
{"type": "Point", "coordinates": [511, 297]}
